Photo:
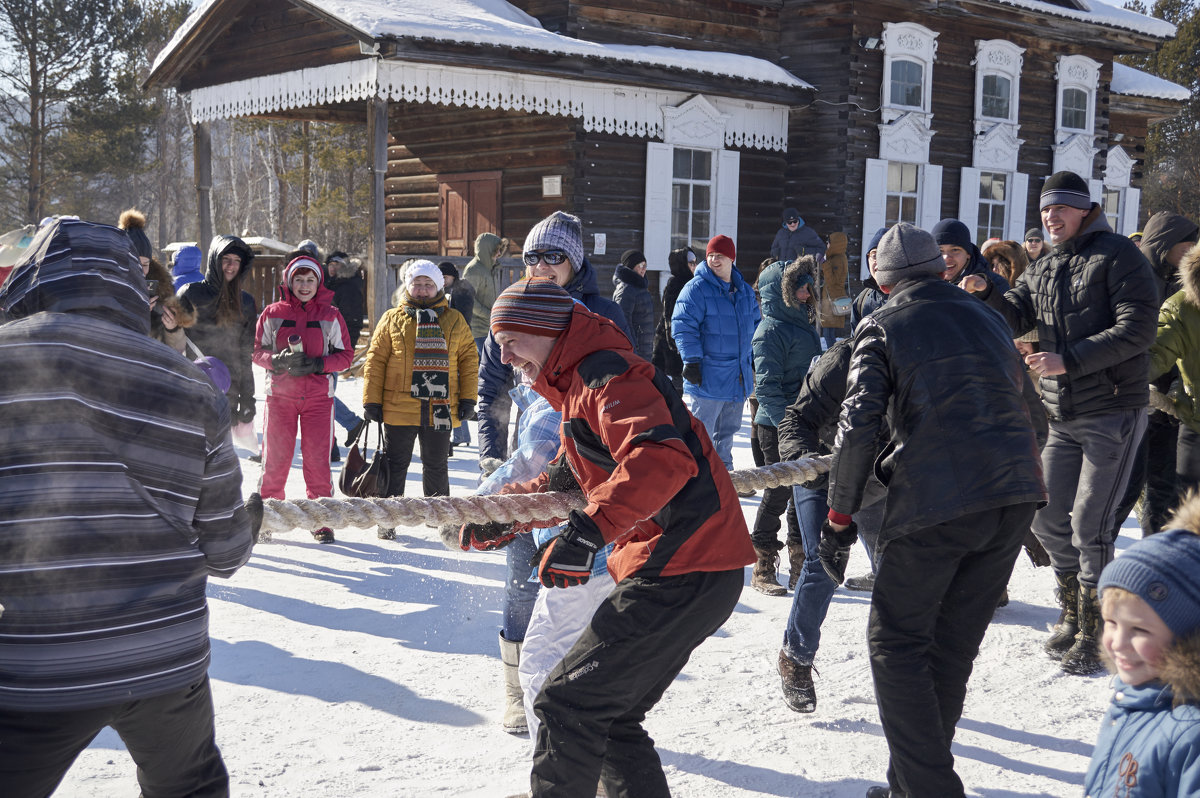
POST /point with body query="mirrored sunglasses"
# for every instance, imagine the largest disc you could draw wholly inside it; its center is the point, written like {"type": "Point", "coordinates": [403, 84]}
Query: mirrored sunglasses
{"type": "Point", "coordinates": [552, 257]}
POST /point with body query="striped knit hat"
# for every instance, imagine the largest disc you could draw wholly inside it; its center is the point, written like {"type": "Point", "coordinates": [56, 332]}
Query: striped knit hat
{"type": "Point", "coordinates": [559, 230]}
{"type": "Point", "coordinates": [536, 305]}
{"type": "Point", "coordinates": [1066, 188]}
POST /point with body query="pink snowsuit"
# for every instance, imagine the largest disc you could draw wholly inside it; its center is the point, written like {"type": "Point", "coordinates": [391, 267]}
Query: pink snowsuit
{"type": "Point", "coordinates": [309, 398]}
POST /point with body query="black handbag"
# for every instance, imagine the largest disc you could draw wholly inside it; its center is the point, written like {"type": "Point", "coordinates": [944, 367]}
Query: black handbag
{"type": "Point", "coordinates": [363, 480]}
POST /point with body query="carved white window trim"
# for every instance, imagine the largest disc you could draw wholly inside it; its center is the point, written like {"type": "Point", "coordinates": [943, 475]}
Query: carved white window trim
{"type": "Point", "coordinates": [1118, 169]}
{"type": "Point", "coordinates": [622, 110]}
{"type": "Point", "coordinates": [908, 41]}
{"type": "Point", "coordinates": [1003, 58]}
{"type": "Point", "coordinates": [1076, 72]}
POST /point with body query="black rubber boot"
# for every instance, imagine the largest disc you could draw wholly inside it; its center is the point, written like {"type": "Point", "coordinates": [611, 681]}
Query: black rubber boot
{"type": "Point", "coordinates": [1083, 658]}
{"type": "Point", "coordinates": [1067, 593]}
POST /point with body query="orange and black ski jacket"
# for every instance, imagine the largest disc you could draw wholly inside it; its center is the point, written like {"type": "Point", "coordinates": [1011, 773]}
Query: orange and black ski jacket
{"type": "Point", "coordinates": [654, 484]}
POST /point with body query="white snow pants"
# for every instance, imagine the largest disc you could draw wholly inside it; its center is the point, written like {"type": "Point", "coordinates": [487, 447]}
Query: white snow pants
{"type": "Point", "coordinates": [559, 616]}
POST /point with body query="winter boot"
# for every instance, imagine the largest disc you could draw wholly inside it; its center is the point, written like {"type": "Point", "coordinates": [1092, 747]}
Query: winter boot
{"type": "Point", "coordinates": [514, 706]}
{"type": "Point", "coordinates": [795, 563]}
{"type": "Point", "coordinates": [385, 532]}
{"type": "Point", "coordinates": [323, 535]}
{"type": "Point", "coordinates": [335, 454]}
{"type": "Point", "coordinates": [1067, 627]}
{"type": "Point", "coordinates": [763, 578]}
{"type": "Point", "coordinates": [864, 583]}
{"type": "Point", "coordinates": [798, 691]}
{"type": "Point", "coordinates": [1083, 658]}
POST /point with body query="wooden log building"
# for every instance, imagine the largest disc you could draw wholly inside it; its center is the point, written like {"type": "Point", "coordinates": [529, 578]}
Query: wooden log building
{"type": "Point", "coordinates": [663, 122]}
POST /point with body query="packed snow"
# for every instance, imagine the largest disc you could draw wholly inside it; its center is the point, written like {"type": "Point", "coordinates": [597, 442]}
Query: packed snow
{"type": "Point", "coordinates": [371, 668]}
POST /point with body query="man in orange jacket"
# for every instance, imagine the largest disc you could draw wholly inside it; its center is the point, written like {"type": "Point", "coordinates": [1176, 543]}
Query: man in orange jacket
{"type": "Point", "coordinates": [657, 489]}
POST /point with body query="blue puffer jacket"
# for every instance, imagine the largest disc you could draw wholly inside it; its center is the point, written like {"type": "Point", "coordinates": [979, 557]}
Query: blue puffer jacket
{"type": "Point", "coordinates": [713, 324]}
{"type": "Point", "coordinates": [496, 378]}
{"type": "Point", "coordinates": [1146, 748]}
{"type": "Point", "coordinates": [785, 343]}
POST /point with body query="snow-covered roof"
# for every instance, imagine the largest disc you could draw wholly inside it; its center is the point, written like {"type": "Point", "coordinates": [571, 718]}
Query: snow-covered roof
{"type": "Point", "coordinates": [1100, 13]}
{"type": "Point", "coordinates": [498, 23]}
{"type": "Point", "coordinates": [1136, 83]}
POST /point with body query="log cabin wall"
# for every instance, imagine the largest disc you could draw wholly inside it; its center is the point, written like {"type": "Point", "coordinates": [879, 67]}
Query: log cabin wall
{"type": "Point", "coordinates": [426, 141]}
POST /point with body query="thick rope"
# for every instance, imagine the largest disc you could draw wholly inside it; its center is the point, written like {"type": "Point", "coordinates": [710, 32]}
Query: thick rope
{"type": "Point", "coordinates": [437, 511]}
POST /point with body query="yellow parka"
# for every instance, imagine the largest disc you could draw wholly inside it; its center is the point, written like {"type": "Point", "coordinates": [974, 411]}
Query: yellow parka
{"type": "Point", "coordinates": [387, 372]}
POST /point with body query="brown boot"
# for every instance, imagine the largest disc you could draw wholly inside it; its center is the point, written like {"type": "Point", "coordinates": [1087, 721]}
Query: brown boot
{"type": "Point", "coordinates": [1067, 627]}
{"type": "Point", "coordinates": [798, 691]}
{"type": "Point", "coordinates": [763, 579]}
{"type": "Point", "coordinates": [795, 563]}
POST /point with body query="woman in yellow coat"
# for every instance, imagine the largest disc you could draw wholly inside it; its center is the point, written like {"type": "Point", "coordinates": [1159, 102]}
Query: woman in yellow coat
{"type": "Point", "coordinates": [420, 379]}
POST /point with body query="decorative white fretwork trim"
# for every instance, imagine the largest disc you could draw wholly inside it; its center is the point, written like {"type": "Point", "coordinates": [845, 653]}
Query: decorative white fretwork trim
{"type": "Point", "coordinates": [622, 110]}
{"type": "Point", "coordinates": [1118, 168]}
{"type": "Point", "coordinates": [905, 139]}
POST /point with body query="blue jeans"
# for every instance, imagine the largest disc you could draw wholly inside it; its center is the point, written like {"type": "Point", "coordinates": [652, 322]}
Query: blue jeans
{"type": "Point", "coordinates": [722, 419]}
{"type": "Point", "coordinates": [519, 591]}
{"type": "Point", "coordinates": [343, 415]}
{"type": "Point", "coordinates": [814, 588]}
{"type": "Point", "coordinates": [461, 435]}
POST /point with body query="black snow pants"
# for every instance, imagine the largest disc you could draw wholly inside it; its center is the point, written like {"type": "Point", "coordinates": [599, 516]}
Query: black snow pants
{"type": "Point", "coordinates": [592, 705]}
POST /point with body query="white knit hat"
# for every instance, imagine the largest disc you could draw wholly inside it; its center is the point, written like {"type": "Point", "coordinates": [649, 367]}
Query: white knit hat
{"type": "Point", "coordinates": [422, 268]}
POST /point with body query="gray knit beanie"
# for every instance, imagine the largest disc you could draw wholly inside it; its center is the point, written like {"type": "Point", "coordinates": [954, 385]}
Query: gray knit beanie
{"type": "Point", "coordinates": [559, 230]}
{"type": "Point", "coordinates": [1162, 570]}
{"type": "Point", "coordinates": [906, 251]}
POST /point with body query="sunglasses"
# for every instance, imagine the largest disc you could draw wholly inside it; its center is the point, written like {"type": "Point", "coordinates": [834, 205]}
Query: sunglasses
{"type": "Point", "coordinates": [793, 221]}
{"type": "Point", "coordinates": [552, 257]}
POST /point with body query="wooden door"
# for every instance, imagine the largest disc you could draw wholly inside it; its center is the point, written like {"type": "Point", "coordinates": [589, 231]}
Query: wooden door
{"type": "Point", "coordinates": [468, 204]}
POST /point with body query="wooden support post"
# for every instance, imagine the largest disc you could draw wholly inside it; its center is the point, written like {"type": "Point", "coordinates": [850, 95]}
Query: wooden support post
{"type": "Point", "coordinates": [203, 175]}
{"type": "Point", "coordinates": [377, 134]}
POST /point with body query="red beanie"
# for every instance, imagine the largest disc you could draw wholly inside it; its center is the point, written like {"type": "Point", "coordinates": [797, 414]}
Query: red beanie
{"type": "Point", "coordinates": [722, 245]}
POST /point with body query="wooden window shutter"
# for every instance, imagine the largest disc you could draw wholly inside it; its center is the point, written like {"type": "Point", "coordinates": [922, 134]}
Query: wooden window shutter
{"type": "Point", "coordinates": [931, 195]}
{"type": "Point", "coordinates": [656, 235]}
{"type": "Point", "coordinates": [726, 187]}
{"type": "Point", "coordinates": [968, 200]}
{"type": "Point", "coordinates": [874, 205]}
{"type": "Point", "coordinates": [1129, 211]}
{"type": "Point", "coordinates": [1018, 200]}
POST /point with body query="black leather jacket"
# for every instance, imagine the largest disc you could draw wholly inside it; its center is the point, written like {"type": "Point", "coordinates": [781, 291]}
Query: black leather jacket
{"type": "Point", "coordinates": [941, 370]}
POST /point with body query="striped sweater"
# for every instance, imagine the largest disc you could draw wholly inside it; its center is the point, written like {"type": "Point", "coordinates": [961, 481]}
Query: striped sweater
{"type": "Point", "coordinates": [120, 493]}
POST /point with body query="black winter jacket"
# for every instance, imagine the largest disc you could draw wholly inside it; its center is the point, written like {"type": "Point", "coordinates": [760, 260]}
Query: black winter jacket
{"type": "Point", "coordinates": [869, 300]}
{"type": "Point", "coordinates": [632, 295]}
{"type": "Point", "coordinates": [665, 354]}
{"type": "Point", "coordinates": [1093, 300]}
{"type": "Point", "coordinates": [942, 372]}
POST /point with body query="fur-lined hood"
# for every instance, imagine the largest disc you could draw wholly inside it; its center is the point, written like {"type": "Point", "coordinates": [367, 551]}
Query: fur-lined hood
{"type": "Point", "coordinates": [185, 314]}
{"type": "Point", "coordinates": [793, 274]}
{"type": "Point", "coordinates": [1189, 275]}
{"type": "Point", "coordinates": [1181, 669]}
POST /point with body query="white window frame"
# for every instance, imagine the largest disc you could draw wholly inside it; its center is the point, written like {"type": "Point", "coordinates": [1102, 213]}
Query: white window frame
{"type": "Point", "coordinates": [1118, 174]}
{"type": "Point", "coordinates": [695, 125]}
{"type": "Point", "coordinates": [908, 41]}
{"type": "Point", "coordinates": [1074, 148]}
{"type": "Point", "coordinates": [1016, 202]}
{"type": "Point", "coordinates": [1002, 59]}
{"type": "Point", "coordinates": [929, 203]}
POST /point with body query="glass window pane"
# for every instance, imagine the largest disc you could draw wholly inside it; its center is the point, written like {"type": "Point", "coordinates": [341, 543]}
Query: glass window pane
{"type": "Point", "coordinates": [683, 164]}
{"type": "Point", "coordinates": [1075, 109]}
{"type": "Point", "coordinates": [893, 210]}
{"type": "Point", "coordinates": [906, 83]}
{"type": "Point", "coordinates": [700, 198]}
{"type": "Point", "coordinates": [985, 185]}
{"type": "Point", "coordinates": [909, 210]}
{"type": "Point", "coordinates": [680, 197]}
{"type": "Point", "coordinates": [894, 178]}
{"type": "Point", "coordinates": [996, 92]}
{"type": "Point", "coordinates": [998, 187]}
{"type": "Point", "coordinates": [700, 226]}
{"type": "Point", "coordinates": [679, 223]}
{"type": "Point", "coordinates": [910, 178]}
{"type": "Point", "coordinates": [701, 165]}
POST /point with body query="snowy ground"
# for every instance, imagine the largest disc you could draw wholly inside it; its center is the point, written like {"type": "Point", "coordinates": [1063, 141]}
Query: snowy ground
{"type": "Point", "coordinates": [370, 668]}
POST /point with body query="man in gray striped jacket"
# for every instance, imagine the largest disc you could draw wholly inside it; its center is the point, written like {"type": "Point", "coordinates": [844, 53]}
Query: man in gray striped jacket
{"type": "Point", "coordinates": [120, 493]}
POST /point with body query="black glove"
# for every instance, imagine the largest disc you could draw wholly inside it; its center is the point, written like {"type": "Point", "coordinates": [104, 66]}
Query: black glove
{"type": "Point", "coordinates": [485, 537]}
{"type": "Point", "coordinates": [281, 360]}
{"type": "Point", "coordinates": [562, 478]}
{"type": "Point", "coordinates": [254, 509]}
{"type": "Point", "coordinates": [466, 410]}
{"type": "Point", "coordinates": [305, 365]}
{"type": "Point", "coordinates": [373, 412]}
{"type": "Point", "coordinates": [567, 559]}
{"type": "Point", "coordinates": [834, 550]}
{"type": "Point", "coordinates": [245, 411]}
{"type": "Point", "coordinates": [691, 372]}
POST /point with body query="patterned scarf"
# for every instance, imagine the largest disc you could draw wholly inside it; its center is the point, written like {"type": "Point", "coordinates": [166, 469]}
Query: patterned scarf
{"type": "Point", "coordinates": [431, 366]}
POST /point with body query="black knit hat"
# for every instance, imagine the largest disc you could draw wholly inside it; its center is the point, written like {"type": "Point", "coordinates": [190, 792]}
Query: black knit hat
{"type": "Point", "coordinates": [448, 269]}
{"type": "Point", "coordinates": [1066, 188]}
{"type": "Point", "coordinates": [631, 258]}
{"type": "Point", "coordinates": [1033, 234]}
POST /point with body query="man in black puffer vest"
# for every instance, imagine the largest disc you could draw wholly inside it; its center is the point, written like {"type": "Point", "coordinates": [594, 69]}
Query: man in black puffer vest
{"type": "Point", "coordinates": [1094, 302]}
